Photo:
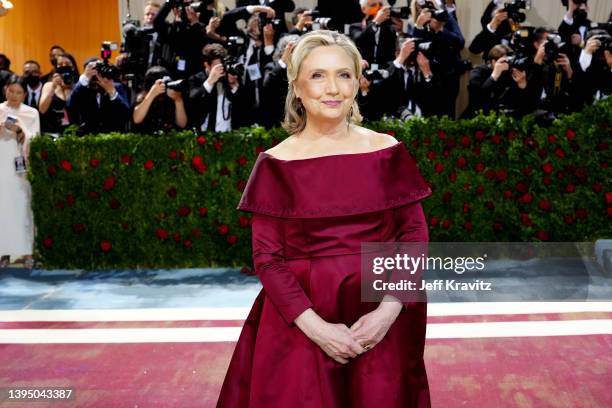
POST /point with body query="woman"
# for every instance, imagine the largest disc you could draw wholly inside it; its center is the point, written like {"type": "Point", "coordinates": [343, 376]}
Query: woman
{"type": "Point", "coordinates": [55, 93]}
{"type": "Point", "coordinates": [158, 108]}
{"type": "Point", "coordinates": [18, 124]}
{"type": "Point", "coordinates": [309, 340]}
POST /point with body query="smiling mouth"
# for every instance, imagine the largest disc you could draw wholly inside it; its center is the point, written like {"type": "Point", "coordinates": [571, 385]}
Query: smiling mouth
{"type": "Point", "coordinates": [332, 103]}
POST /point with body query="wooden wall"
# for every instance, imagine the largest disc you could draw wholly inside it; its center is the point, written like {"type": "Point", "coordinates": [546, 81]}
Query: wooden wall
{"type": "Point", "coordinates": [32, 26]}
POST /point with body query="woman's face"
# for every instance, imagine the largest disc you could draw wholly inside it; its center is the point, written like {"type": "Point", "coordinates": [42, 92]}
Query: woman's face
{"type": "Point", "coordinates": [64, 62]}
{"type": "Point", "coordinates": [15, 94]}
{"type": "Point", "coordinates": [327, 84]}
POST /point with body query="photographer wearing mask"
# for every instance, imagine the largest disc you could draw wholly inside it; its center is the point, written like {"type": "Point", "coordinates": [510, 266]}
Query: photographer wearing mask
{"type": "Point", "coordinates": [159, 107]}
{"type": "Point", "coordinates": [54, 52]}
{"type": "Point", "coordinates": [593, 77]}
{"type": "Point", "coordinates": [375, 36]}
{"type": "Point", "coordinates": [55, 94]}
{"type": "Point", "coordinates": [217, 100]}
{"type": "Point", "coordinates": [31, 76]}
{"type": "Point", "coordinates": [411, 83]}
{"type": "Point", "coordinates": [97, 103]}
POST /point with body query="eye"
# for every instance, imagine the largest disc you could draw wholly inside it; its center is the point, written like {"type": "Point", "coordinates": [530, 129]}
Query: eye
{"type": "Point", "coordinates": [346, 75]}
{"type": "Point", "coordinates": [316, 75]}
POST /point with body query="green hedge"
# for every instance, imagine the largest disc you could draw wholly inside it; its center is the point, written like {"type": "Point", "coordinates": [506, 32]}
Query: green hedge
{"type": "Point", "coordinates": [126, 200]}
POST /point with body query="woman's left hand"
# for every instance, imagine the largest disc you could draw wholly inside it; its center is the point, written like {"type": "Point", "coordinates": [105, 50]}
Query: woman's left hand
{"type": "Point", "coordinates": [371, 328]}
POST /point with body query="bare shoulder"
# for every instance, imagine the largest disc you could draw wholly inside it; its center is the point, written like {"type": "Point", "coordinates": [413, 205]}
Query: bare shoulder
{"type": "Point", "coordinates": [376, 140]}
{"type": "Point", "coordinates": [282, 149]}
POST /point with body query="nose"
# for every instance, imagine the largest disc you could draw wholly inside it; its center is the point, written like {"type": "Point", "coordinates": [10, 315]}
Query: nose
{"type": "Point", "coordinates": [332, 86]}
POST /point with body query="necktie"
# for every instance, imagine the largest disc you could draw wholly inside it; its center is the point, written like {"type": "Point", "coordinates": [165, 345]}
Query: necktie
{"type": "Point", "coordinates": [32, 102]}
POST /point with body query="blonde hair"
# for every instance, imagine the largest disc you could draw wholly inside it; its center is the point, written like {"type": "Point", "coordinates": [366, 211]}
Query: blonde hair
{"type": "Point", "coordinates": [295, 114]}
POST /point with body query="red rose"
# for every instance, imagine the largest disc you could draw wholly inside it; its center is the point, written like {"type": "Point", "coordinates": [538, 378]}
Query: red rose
{"type": "Point", "coordinates": [480, 189]}
{"type": "Point", "coordinates": [184, 211]}
{"type": "Point", "coordinates": [490, 174]}
{"type": "Point", "coordinates": [232, 239]}
{"type": "Point", "coordinates": [48, 242]}
{"type": "Point", "coordinates": [526, 170]}
{"type": "Point", "coordinates": [109, 183]}
{"type": "Point", "coordinates": [446, 224]}
{"type": "Point", "coordinates": [149, 165]}
{"type": "Point", "coordinates": [78, 228]}
{"type": "Point", "coordinates": [162, 234]}
{"type": "Point", "coordinates": [441, 134]}
{"type": "Point", "coordinates": [559, 152]}
{"type": "Point", "coordinates": [201, 140]}
{"type": "Point", "coordinates": [415, 144]}
{"type": "Point", "coordinates": [94, 195]}
{"type": "Point", "coordinates": [126, 159]}
{"type": "Point", "coordinates": [241, 185]}
{"type": "Point", "coordinates": [172, 155]}
{"type": "Point", "coordinates": [544, 205]}
{"type": "Point", "coordinates": [196, 232]}
{"type": "Point", "coordinates": [198, 164]}
{"type": "Point", "coordinates": [609, 211]}
{"type": "Point", "coordinates": [243, 221]}
{"type": "Point", "coordinates": [547, 168]}
{"type": "Point", "coordinates": [465, 141]}
{"type": "Point", "coordinates": [570, 134]}
{"type": "Point", "coordinates": [525, 220]}
{"type": "Point", "coordinates": [501, 175]}
{"type": "Point", "coordinates": [468, 225]}
{"type": "Point", "coordinates": [476, 150]}
{"type": "Point", "coordinates": [105, 246]}
{"type": "Point", "coordinates": [529, 142]}
{"type": "Point", "coordinates": [452, 177]}
{"type": "Point", "coordinates": [66, 165]}
{"type": "Point", "coordinates": [451, 143]}
{"type": "Point", "coordinates": [114, 204]}
{"type": "Point", "coordinates": [445, 153]}
{"type": "Point", "coordinates": [171, 192]}
{"type": "Point", "coordinates": [434, 221]}
{"type": "Point", "coordinates": [439, 167]}
{"type": "Point", "coordinates": [94, 163]}
{"type": "Point", "coordinates": [479, 135]}
{"type": "Point", "coordinates": [187, 243]}
{"type": "Point", "coordinates": [608, 196]}
{"type": "Point", "coordinates": [570, 188]}
{"type": "Point", "coordinates": [51, 170]}
{"type": "Point", "coordinates": [176, 237]}
{"type": "Point", "coordinates": [511, 135]}
{"type": "Point", "coordinates": [203, 211]}
{"type": "Point", "coordinates": [242, 161]}
{"type": "Point", "coordinates": [489, 205]}
{"type": "Point", "coordinates": [479, 167]}
{"type": "Point", "coordinates": [580, 172]}
{"type": "Point", "coordinates": [526, 198]}
{"type": "Point", "coordinates": [44, 155]}
{"type": "Point", "coordinates": [552, 138]}
{"type": "Point", "coordinates": [496, 138]}
{"type": "Point", "coordinates": [581, 213]}
{"type": "Point", "coordinates": [543, 235]}
{"type": "Point", "coordinates": [60, 205]}
{"type": "Point", "coordinates": [568, 219]}
{"type": "Point", "coordinates": [70, 200]}
{"type": "Point", "coordinates": [217, 146]}
{"type": "Point", "coordinates": [597, 187]}
{"type": "Point", "coordinates": [431, 155]}
{"type": "Point", "coordinates": [223, 229]}
{"type": "Point", "coordinates": [461, 162]}
{"type": "Point", "coordinates": [547, 180]}
{"type": "Point", "coordinates": [467, 207]}
{"type": "Point", "coordinates": [507, 194]}
{"type": "Point", "coordinates": [521, 187]}
{"type": "Point", "coordinates": [446, 197]}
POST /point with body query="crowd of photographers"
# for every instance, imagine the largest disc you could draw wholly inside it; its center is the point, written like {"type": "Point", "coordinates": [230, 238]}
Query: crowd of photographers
{"type": "Point", "coordinates": [212, 69]}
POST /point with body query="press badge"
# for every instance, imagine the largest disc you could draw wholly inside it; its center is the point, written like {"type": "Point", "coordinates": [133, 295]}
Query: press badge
{"type": "Point", "coordinates": [181, 65]}
{"type": "Point", "coordinates": [254, 72]}
{"type": "Point", "coordinates": [20, 165]}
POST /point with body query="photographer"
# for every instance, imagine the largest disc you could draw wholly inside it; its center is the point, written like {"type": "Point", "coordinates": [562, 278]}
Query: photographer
{"type": "Point", "coordinates": [280, 7]}
{"type": "Point", "coordinates": [55, 93]}
{"type": "Point", "coordinates": [411, 83]}
{"type": "Point", "coordinates": [98, 104]}
{"type": "Point", "coordinates": [54, 52]}
{"type": "Point", "coordinates": [302, 20]}
{"type": "Point", "coordinates": [497, 29]}
{"type": "Point", "coordinates": [593, 78]}
{"type": "Point", "coordinates": [375, 36]}
{"type": "Point", "coordinates": [217, 100]}
{"type": "Point", "coordinates": [439, 27]}
{"type": "Point", "coordinates": [373, 92]}
{"type": "Point", "coordinates": [575, 21]}
{"type": "Point", "coordinates": [182, 40]}
{"type": "Point", "coordinates": [513, 90]}
{"type": "Point", "coordinates": [275, 83]}
{"type": "Point", "coordinates": [159, 107]}
{"type": "Point", "coordinates": [482, 81]}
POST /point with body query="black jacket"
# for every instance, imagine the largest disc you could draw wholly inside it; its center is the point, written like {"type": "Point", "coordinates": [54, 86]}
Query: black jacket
{"type": "Point", "coordinates": [364, 36]}
{"type": "Point", "coordinates": [275, 87]}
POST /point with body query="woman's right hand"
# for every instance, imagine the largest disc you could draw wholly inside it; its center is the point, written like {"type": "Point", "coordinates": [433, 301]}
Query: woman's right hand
{"type": "Point", "coordinates": [57, 81]}
{"type": "Point", "coordinates": [158, 88]}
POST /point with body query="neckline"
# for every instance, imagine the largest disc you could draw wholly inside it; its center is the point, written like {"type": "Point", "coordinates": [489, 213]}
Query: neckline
{"type": "Point", "coordinates": [331, 155]}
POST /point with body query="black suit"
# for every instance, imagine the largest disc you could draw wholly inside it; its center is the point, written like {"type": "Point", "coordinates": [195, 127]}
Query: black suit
{"type": "Point", "coordinates": [364, 36]}
{"type": "Point", "coordinates": [280, 7]}
{"type": "Point", "coordinates": [204, 103]}
{"type": "Point", "coordinates": [275, 87]}
{"type": "Point", "coordinates": [417, 93]}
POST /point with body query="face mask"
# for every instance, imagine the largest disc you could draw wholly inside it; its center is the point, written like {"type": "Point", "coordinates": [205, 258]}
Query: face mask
{"type": "Point", "coordinates": [374, 10]}
{"type": "Point", "coordinates": [32, 80]}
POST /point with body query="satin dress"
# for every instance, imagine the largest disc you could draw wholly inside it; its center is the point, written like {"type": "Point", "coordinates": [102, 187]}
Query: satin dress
{"type": "Point", "coordinates": [310, 217]}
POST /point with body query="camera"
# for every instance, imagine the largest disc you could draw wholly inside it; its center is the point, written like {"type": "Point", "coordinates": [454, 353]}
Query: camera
{"type": "Point", "coordinates": [427, 4]}
{"type": "Point", "coordinates": [399, 12]}
{"type": "Point", "coordinates": [104, 68]}
{"type": "Point", "coordinates": [440, 15]}
{"type": "Point", "coordinates": [323, 23]}
{"type": "Point", "coordinates": [518, 61]}
{"type": "Point", "coordinates": [376, 75]}
{"type": "Point", "coordinates": [202, 7]}
{"type": "Point", "coordinates": [67, 74]}
{"type": "Point", "coordinates": [231, 63]}
{"type": "Point", "coordinates": [177, 85]}
{"type": "Point", "coordinates": [265, 20]}
{"type": "Point", "coordinates": [552, 47]}
{"type": "Point", "coordinates": [515, 9]}
{"type": "Point", "coordinates": [605, 41]}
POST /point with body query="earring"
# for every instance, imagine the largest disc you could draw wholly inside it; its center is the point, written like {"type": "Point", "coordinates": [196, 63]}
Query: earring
{"type": "Point", "coordinates": [350, 114]}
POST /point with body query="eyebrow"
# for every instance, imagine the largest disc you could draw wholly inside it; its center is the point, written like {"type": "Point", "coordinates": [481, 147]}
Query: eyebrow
{"type": "Point", "coordinates": [324, 70]}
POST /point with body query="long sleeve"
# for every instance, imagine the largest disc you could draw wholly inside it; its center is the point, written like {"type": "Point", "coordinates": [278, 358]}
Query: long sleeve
{"type": "Point", "coordinates": [280, 285]}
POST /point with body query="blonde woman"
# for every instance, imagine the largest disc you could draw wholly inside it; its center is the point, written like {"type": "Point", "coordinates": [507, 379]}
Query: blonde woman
{"type": "Point", "coordinates": [310, 340]}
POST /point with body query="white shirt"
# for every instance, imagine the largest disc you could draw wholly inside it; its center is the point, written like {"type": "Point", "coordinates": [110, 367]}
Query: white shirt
{"type": "Point", "coordinates": [36, 93]}
{"type": "Point", "coordinates": [223, 109]}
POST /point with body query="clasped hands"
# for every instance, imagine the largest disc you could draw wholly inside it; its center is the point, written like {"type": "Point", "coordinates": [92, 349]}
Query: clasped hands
{"type": "Point", "coordinates": [339, 341]}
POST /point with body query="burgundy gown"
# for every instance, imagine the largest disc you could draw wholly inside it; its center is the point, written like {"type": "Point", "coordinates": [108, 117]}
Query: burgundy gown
{"type": "Point", "coordinates": [309, 218]}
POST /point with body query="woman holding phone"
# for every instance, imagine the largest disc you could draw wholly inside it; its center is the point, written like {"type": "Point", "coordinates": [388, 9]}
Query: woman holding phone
{"type": "Point", "coordinates": [18, 124]}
